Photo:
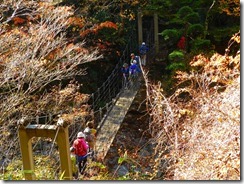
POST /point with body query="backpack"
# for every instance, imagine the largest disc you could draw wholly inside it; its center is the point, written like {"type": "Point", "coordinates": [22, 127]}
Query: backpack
{"type": "Point", "coordinates": [89, 135]}
{"type": "Point", "coordinates": [80, 150]}
{"type": "Point", "coordinates": [143, 49]}
{"type": "Point", "coordinates": [134, 69]}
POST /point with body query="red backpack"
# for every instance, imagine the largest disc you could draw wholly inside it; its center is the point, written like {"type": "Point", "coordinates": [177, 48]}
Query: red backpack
{"type": "Point", "coordinates": [80, 150]}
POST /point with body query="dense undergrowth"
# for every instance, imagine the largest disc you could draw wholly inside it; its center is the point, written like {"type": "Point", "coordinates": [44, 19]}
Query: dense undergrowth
{"type": "Point", "coordinates": [197, 129]}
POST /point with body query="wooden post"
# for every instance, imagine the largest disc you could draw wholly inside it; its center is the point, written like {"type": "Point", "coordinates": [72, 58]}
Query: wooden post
{"type": "Point", "coordinates": [64, 152]}
{"type": "Point", "coordinates": [37, 130]}
{"type": "Point", "coordinates": [139, 21]}
{"type": "Point", "coordinates": [27, 156]}
{"type": "Point", "coordinates": [156, 42]}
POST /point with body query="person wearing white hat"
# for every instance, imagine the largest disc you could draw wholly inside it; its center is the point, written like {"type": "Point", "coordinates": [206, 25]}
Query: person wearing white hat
{"type": "Point", "coordinates": [81, 148]}
{"type": "Point", "coordinates": [143, 53]}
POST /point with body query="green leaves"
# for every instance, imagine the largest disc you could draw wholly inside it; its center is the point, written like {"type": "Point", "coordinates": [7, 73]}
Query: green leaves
{"type": "Point", "coordinates": [123, 159]}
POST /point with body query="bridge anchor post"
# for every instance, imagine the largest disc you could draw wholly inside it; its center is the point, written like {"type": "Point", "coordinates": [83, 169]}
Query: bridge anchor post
{"type": "Point", "coordinates": [58, 132]}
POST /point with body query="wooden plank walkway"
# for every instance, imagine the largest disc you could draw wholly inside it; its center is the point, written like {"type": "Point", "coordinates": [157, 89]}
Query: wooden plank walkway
{"type": "Point", "coordinates": [112, 123]}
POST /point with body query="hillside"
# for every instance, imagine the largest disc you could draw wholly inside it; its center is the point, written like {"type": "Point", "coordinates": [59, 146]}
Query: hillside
{"type": "Point", "coordinates": [185, 121]}
{"type": "Point", "coordinates": [197, 129]}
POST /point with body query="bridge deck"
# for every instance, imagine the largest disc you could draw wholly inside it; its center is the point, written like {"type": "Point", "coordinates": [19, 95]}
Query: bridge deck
{"type": "Point", "coordinates": [112, 123]}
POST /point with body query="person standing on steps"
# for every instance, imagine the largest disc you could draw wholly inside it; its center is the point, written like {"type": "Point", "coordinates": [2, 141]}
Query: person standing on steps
{"type": "Point", "coordinates": [143, 53]}
{"type": "Point", "coordinates": [81, 148]}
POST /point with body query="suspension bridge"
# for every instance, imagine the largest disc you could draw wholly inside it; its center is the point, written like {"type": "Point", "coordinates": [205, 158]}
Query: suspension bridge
{"type": "Point", "coordinates": [109, 105]}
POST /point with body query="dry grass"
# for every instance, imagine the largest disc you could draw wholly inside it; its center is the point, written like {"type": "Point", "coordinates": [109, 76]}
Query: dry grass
{"type": "Point", "coordinates": [197, 129]}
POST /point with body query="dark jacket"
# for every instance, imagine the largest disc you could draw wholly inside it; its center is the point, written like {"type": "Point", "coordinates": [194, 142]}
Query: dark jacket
{"type": "Point", "coordinates": [134, 69]}
{"type": "Point", "coordinates": [125, 71]}
{"type": "Point", "coordinates": [143, 49]}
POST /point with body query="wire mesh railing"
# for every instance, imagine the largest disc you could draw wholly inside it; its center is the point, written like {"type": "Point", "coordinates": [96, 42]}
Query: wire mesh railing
{"type": "Point", "coordinates": [105, 97]}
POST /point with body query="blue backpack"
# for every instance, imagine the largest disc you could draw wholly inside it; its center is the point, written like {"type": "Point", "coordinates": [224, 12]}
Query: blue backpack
{"type": "Point", "coordinates": [134, 69]}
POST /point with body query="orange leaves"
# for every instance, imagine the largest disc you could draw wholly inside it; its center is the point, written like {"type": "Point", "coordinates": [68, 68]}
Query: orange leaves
{"type": "Point", "coordinates": [230, 7]}
{"type": "Point", "coordinates": [85, 33]}
{"type": "Point", "coordinates": [76, 48]}
{"type": "Point", "coordinates": [76, 21]}
{"type": "Point", "coordinates": [108, 24]}
{"type": "Point", "coordinates": [199, 60]}
{"type": "Point", "coordinates": [53, 54]}
{"type": "Point", "coordinates": [97, 28]}
{"type": "Point", "coordinates": [18, 20]}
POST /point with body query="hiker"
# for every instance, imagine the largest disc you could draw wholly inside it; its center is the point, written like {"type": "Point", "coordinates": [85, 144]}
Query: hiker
{"type": "Point", "coordinates": [81, 148]}
{"type": "Point", "coordinates": [125, 71]}
{"type": "Point", "coordinates": [134, 74]}
{"type": "Point", "coordinates": [73, 163]}
{"type": "Point", "coordinates": [134, 68]}
{"type": "Point", "coordinates": [143, 53]}
{"type": "Point", "coordinates": [134, 57]}
{"type": "Point", "coordinates": [90, 133]}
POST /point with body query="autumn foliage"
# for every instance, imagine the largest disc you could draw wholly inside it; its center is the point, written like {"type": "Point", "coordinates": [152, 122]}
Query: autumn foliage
{"type": "Point", "coordinates": [95, 29]}
{"type": "Point", "coordinates": [36, 59]}
{"type": "Point", "coordinates": [197, 129]}
{"type": "Point", "coordinates": [230, 7]}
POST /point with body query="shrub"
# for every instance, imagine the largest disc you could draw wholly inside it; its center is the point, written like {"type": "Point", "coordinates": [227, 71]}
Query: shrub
{"type": "Point", "coordinates": [192, 18]}
{"type": "Point", "coordinates": [176, 56]}
{"type": "Point", "coordinates": [200, 44]}
{"type": "Point", "coordinates": [176, 66]}
{"type": "Point", "coordinates": [171, 36]}
{"type": "Point", "coordinates": [195, 31]}
{"type": "Point", "coordinates": [184, 11]}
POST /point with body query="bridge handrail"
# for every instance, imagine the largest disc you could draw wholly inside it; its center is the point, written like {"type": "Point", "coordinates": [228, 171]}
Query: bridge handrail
{"type": "Point", "coordinates": [110, 90]}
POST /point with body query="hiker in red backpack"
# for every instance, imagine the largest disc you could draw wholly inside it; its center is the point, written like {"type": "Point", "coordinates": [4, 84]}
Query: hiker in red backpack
{"type": "Point", "coordinates": [81, 148]}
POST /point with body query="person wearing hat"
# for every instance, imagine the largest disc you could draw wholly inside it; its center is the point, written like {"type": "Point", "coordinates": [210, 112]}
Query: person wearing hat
{"type": "Point", "coordinates": [81, 148]}
{"type": "Point", "coordinates": [90, 133]}
{"type": "Point", "coordinates": [134, 74]}
{"type": "Point", "coordinates": [134, 68]}
{"type": "Point", "coordinates": [134, 57]}
{"type": "Point", "coordinates": [143, 52]}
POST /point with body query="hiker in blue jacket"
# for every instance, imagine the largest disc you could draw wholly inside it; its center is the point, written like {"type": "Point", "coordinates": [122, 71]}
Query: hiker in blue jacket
{"type": "Point", "coordinates": [134, 74]}
{"type": "Point", "coordinates": [134, 68]}
{"type": "Point", "coordinates": [134, 57]}
{"type": "Point", "coordinates": [143, 52]}
{"type": "Point", "coordinates": [125, 71]}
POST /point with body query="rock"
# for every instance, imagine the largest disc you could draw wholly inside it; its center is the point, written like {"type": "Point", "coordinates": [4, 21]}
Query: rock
{"type": "Point", "coordinates": [123, 170]}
